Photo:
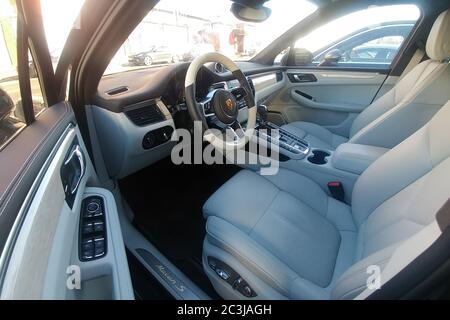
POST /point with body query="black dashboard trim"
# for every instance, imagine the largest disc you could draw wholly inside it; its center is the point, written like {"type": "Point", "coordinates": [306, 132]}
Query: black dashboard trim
{"type": "Point", "coordinates": [150, 83]}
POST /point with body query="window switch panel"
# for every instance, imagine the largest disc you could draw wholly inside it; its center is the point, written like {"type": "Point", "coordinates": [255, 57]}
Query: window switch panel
{"type": "Point", "coordinates": [93, 242]}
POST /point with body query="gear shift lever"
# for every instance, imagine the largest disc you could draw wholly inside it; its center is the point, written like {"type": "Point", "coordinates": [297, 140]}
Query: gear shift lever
{"type": "Point", "coordinates": [262, 111]}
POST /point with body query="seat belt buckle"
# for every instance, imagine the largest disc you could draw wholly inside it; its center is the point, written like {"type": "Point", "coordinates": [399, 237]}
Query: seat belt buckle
{"type": "Point", "coordinates": [336, 190]}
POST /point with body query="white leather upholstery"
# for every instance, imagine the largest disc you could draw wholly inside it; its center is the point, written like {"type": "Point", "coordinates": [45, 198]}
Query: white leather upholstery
{"type": "Point", "coordinates": [285, 229]}
{"type": "Point", "coordinates": [355, 158]}
{"type": "Point", "coordinates": [288, 239]}
{"type": "Point", "coordinates": [438, 43]}
{"type": "Point", "coordinates": [405, 108]}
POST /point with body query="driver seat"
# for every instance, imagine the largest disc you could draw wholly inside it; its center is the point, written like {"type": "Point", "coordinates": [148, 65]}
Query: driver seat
{"type": "Point", "coordinates": [287, 239]}
{"type": "Point", "coordinates": [402, 110]}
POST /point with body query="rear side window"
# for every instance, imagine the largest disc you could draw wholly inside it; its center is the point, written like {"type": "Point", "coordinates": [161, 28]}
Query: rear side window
{"type": "Point", "coordinates": [11, 108]}
{"type": "Point", "coordinates": [369, 38]}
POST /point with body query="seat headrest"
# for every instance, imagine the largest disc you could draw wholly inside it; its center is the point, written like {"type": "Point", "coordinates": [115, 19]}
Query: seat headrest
{"type": "Point", "coordinates": [438, 43]}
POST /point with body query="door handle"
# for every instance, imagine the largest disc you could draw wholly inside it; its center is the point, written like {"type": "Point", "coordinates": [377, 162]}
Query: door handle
{"type": "Point", "coordinates": [72, 172]}
{"type": "Point", "coordinates": [76, 155]}
{"type": "Point", "coordinates": [302, 77]}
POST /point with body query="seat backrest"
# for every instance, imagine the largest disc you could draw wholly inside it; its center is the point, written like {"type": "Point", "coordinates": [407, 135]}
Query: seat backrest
{"type": "Point", "coordinates": [398, 196]}
{"type": "Point", "coordinates": [413, 100]}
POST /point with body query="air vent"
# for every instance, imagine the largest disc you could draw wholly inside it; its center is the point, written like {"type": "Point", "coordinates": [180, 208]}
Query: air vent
{"type": "Point", "coordinates": [145, 115]}
{"type": "Point", "coordinates": [218, 67]}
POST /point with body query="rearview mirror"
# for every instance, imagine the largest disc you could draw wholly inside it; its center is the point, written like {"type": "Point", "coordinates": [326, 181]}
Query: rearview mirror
{"type": "Point", "coordinates": [250, 14]}
{"type": "Point", "coordinates": [331, 58]}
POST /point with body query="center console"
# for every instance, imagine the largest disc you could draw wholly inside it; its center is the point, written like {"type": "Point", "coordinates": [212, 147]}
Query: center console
{"type": "Point", "coordinates": [289, 145]}
{"type": "Point", "coordinates": [343, 165]}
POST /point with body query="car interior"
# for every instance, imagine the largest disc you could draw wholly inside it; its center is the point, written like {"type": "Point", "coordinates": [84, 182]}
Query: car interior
{"type": "Point", "coordinates": [352, 99]}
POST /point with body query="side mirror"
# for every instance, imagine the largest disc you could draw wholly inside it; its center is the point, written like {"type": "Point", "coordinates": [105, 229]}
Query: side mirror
{"type": "Point", "coordinates": [331, 58]}
{"type": "Point", "coordinates": [302, 57]}
{"type": "Point", "coordinates": [38, 105]}
{"type": "Point", "coordinates": [6, 105]}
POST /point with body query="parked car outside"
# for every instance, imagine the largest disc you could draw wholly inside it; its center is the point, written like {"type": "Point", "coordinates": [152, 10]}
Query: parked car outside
{"type": "Point", "coordinates": [154, 55]}
{"type": "Point", "coordinates": [373, 53]}
{"type": "Point", "coordinates": [369, 45]}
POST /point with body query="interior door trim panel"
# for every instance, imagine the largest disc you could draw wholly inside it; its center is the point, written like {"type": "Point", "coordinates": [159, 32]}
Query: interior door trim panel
{"type": "Point", "coordinates": [337, 91]}
{"type": "Point", "coordinates": [312, 102]}
{"type": "Point", "coordinates": [14, 232]}
{"type": "Point", "coordinates": [36, 227]}
{"type": "Point", "coordinates": [24, 157]}
{"type": "Point", "coordinates": [350, 77]}
{"type": "Point", "coordinates": [341, 68]}
{"type": "Point", "coordinates": [332, 101]}
{"type": "Point", "coordinates": [47, 239]}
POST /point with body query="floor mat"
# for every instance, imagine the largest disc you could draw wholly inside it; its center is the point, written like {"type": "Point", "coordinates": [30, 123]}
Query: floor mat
{"type": "Point", "coordinates": [167, 201]}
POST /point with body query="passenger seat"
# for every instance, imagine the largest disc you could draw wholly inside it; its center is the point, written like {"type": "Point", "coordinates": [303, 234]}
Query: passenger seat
{"type": "Point", "coordinates": [404, 109]}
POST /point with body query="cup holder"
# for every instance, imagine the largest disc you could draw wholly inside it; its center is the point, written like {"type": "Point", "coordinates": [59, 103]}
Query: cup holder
{"type": "Point", "coordinates": [319, 157]}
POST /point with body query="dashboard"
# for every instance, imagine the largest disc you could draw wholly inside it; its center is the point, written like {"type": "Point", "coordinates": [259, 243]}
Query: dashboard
{"type": "Point", "coordinates": [136, 113]}
{"type": "Point", "coordinates": [117, 91]}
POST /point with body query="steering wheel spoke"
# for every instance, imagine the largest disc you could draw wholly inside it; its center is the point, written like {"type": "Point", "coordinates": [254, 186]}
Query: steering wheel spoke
{"type": "Point", "coordinates": [237, 130]}
{"type": "Point", "coordinates": [206, 105]}
{"type": "Point", "coordinates": [221, 107]}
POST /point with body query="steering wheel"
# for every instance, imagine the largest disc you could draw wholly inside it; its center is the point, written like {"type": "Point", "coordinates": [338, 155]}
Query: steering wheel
{"type": "Point", "coordinates": [220, 106]}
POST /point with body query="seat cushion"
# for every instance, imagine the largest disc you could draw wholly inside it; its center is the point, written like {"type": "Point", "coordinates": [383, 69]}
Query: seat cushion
{"type": "Point", "coordinates": [282, 228]}
{"type": "Point", "coordinates": [317, 136]}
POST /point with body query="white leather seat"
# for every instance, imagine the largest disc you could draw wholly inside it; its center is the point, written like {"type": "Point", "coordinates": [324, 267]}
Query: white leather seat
{"type": "Point", "coordinates": [288, 239]}
{"type": "Point", "coordinates": [401, 111]}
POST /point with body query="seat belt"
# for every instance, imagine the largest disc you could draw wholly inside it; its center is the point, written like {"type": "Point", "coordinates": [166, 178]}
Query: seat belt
{"type": "Point", "coordinates": [443, 216]}
{"type": "Point", "coordinates": [415, 60]}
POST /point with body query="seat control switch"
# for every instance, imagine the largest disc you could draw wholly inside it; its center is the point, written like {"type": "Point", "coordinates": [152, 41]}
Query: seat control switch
{"type": "Point", "coordinates": [226, 273]}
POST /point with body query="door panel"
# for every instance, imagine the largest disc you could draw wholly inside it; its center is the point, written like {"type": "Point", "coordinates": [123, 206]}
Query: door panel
{"type": "Point", "coordinates": [45, 248]}
{"type": "Point", "coordinates": [24, 157]}
{"type": "Point", "coordinates": [60, 236]}
{"type": "Point", "coordinates": [336, 70]}
{"type": "Point", "coordinates": [331, 98]}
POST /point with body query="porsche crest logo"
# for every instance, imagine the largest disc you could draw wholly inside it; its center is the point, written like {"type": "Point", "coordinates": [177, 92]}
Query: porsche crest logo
{"type": "Point", "coordinates": [229, 104]}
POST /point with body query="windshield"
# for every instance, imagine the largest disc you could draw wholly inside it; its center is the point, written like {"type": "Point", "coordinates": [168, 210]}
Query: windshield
{"type": "Point", "coordinates": [178, 31]}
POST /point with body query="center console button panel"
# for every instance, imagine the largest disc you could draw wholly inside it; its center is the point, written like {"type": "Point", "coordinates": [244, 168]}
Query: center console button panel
{"type": "Point", "coordinates": [92, 229]}
{"type": "Point", "coordinates": [289, 144]}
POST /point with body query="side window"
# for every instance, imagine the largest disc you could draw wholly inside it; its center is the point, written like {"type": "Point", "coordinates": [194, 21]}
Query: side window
{"type": "Point", "coordinates": [381, 50]}
{"type": "Point", "coordinates": [12, 118]}
{"type": "Point", "coordinates": [369, 38]}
